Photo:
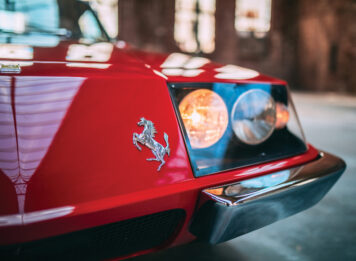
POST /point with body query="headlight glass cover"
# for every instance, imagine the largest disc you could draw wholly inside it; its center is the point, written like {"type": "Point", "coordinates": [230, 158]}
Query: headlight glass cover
{"type": "Point", "coordinates": [253, 116]}
{"type": "Point", "coordinates": [205, 117]}
{"type": "Point", "coordinates": [228, 125]}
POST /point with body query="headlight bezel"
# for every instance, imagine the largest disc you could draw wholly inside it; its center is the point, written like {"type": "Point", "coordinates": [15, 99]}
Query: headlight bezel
{"type": "Point", "coordinates": [217, 158]}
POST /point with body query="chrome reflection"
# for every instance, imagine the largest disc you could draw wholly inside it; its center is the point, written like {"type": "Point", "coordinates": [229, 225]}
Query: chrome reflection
{"type": "Point", "coordinates": [243, 191]}
{"type": "Point", "coordinates": [235, 209]}
{"type": "Point", "coordinates": [146, 138]}
{"type": "Point", "coordinates": [31, 112]}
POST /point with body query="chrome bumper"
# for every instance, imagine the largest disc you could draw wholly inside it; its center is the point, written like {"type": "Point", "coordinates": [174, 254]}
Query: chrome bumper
{"type": "Point", "coordinates": [231, 210]}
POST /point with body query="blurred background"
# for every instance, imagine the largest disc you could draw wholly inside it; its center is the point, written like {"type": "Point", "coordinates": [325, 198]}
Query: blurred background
{"type": "Point", "coordinates": [311, 44]}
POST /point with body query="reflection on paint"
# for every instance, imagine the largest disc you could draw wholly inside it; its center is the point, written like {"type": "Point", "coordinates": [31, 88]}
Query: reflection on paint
{"type": "Point", "coordinates": [160, 74]}
{"type": "Point", "coordinates": [265, 168]}
{"type": "Point", "coordinates": [178, 64]}
{"type": "Point", "coordinates": [181, 72]}
{"type": "Point", "coordinates": [234, 72]}
{"type": "Point", "coordinates": [89, 65]}
{"type": "Point", "coordinates": [37, 110]}
{"type": "Point", "coordinates": [21, 63]}
{"type": "Point", "coordinates": [98, 52]}
{"type": "Point", "coordinates": [35, 216]}
{"type": "Point", "coordinates": [121, 44]}
{"type": "Point", "coordinates": [196, 62]}
{"type": "Point", "coordinates": [175, 60]}
{"type": "Point", "coordinates": [16, 51]}
{"type": "Point", "coordinates": [179, 60]}
{"type": "Point", "coordinates": [173, 72]}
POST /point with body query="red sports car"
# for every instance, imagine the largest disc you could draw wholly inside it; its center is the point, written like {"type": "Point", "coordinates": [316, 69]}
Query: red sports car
{"type": "Point", "coordinates": [111, 152]}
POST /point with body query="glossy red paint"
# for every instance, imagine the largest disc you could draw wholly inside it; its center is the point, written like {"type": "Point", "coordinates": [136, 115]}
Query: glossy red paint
{"type": "Point", "coordinates": [91, 149]}
{"type": "Point", "coordinates": [66, 144]}
{"type": "Point", "coordinates": [193, 69]}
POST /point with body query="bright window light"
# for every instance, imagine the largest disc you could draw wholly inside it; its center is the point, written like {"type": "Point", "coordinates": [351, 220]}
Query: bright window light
{"type": "Point", "coordinates": [253, 16]}
{"type": "Point", "coordinates": [194, 28]}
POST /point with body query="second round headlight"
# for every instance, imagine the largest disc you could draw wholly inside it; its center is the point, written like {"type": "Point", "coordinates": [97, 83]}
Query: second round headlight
{"type": "Point", "coordinates": [253, 117]}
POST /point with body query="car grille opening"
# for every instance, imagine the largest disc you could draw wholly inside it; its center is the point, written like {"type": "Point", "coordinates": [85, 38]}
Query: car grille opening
{"type": "Point", "coordinates": [107, 241]}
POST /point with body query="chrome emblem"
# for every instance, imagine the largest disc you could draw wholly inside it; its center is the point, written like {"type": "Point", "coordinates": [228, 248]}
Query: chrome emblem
{"type": "Point", "coordinates": [10, 68]}
{"type": "Point", "coordinates": [146, 138]}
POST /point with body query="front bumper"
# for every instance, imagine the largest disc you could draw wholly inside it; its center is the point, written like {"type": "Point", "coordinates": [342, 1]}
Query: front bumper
{"type": "Point", "coordinates": [231, 210]}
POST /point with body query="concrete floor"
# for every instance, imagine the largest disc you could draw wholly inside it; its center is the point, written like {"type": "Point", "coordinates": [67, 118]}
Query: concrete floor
{"type": "Point", "coordinates": [327, 231]}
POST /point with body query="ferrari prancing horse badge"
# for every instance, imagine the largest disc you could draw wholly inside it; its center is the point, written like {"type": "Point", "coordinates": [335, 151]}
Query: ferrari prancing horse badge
{"type": "Point", "coordinates": [147, 138]}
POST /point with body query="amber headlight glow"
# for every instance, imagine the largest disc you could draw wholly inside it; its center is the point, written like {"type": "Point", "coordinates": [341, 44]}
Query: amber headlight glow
{"type": "Point", "coordinates": [282, 115]}
{"type": "Point", "coordinates": [205, 117]}
{"type": "Point", "coordinates": [253, 117]}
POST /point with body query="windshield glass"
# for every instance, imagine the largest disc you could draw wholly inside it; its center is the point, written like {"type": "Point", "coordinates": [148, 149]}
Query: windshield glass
{"type": "Point", "coordinates": [46, 22]}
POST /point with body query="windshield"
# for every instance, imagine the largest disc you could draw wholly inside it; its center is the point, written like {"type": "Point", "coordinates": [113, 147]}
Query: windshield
{"type": "Point", "coordinates": [46, 22]}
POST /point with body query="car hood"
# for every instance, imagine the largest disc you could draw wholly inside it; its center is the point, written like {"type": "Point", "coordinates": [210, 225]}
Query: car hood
{"type": "Point", "coordinates": [66, 135]}
{"type": "Point", "coordinates": [67, 122]}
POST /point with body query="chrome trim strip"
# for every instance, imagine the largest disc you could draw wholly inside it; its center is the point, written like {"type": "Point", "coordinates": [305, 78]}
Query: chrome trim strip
{"type": "Point", "coordinates": [35, 216]}
{"type": "Point", "coordinates": [231, 210]}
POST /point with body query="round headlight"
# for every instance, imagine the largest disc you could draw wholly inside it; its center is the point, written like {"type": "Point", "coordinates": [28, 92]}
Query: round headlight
{"type": "Point", "coordinates": [253, 117]}
{"type": "Point", "coordinates": [205, 117]}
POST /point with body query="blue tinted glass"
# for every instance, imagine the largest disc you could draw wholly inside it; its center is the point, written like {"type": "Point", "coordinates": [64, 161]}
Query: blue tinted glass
{"type": "Point", "coordinates": [231, 152]}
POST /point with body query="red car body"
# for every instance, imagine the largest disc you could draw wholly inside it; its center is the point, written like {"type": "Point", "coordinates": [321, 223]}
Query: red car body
{"type": "Point", "coordinates": [71, 165]}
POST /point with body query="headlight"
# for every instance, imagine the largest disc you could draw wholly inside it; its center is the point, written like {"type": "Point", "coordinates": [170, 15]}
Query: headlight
{"type": "Point", "coordinates": [253, 117]}
{"type": "Point", "coordinates": [218, 120]}
{"type": "Point", "coordinates": [205, 117]}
